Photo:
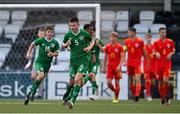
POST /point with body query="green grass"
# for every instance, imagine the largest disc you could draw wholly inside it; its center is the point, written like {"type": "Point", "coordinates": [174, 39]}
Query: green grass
{"type": "Point", "coordinates": [87, 106]}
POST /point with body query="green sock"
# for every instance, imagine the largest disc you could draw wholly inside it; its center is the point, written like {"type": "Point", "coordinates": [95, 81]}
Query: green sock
{"type": "Point", "coordinates": [94, 87]}
{"type": "Point", "coordinates": [85, 79]}
{"type": "Point", "coordinates": [69, 96]}
{"type": "Point", "coordinates": [75, 93]}
{"type": "Point", "coordinates": [69, 88]}
{"type": "Point", "coordinates": [34, 87]}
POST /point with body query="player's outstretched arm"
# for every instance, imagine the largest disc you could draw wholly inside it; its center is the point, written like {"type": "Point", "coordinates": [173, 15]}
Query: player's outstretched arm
{"type": "Point", "coordinates": [99, 45]}
{"type": "Point", "coordinates": [65, 45]}
{"type": "Point", "coordinates": [87, 49]}
{"type": "Point", "coordinates": [29, 52]}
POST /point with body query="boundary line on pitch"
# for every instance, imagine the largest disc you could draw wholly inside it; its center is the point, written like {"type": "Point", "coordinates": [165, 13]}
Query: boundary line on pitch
{"type": "Point", "coordinates": [88, 113]}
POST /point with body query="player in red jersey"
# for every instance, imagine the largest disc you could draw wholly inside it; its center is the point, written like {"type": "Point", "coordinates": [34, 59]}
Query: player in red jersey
{"type": "Point", "coordinates": [164, 49]}
{"type": "Point", "coordinates": [135, 50]}
{"type": "Point", "coordinates": [114, 56]}
{"type": "Point", "coordinates": [149, 73]}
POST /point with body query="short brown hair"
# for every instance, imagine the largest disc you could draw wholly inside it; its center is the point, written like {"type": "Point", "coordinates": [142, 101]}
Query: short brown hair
{"type": "Point", "coordinates": [50, 28]}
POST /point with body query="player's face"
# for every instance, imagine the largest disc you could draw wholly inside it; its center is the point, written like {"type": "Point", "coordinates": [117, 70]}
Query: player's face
{"type": "Point", "coordinates": [131, 33]}
{"type": "Point", "coordinates": [74, 26]}
{"type": "Point", "coordinates": [49, 33]}
{"type": "Point", "coordinates": [90, 31]}
{"type": "Point", "coordinates": [162, 33]}
{"type": "Point", "coordinates": [112, 38]}
{"type": "Point", "coordinates": [41, 34]}
{"type": "Point", "coordinates": [148, 38]}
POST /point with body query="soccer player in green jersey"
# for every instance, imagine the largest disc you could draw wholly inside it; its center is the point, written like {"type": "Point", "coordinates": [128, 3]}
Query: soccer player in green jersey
{"type": "Point", "coordinates": [48, 48]}
{"type": "Point", "coordinates": [94, 59]}
{"type": "Point", "coordinates": [78, 40]}
{"type": "Point", "coordinates": [41, 34]}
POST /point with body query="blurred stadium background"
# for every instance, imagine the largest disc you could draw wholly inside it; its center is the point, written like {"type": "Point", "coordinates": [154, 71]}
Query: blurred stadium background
{"type": "Point", "coordinates": [18, 28]}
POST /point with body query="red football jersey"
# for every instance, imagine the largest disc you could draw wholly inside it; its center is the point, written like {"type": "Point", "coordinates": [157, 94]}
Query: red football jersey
{"type": "Point", "coordinates": [149, 50]}
{"type": "Point", "coordinates": [164, 48]}
{"type": "Point", "coordinates": [113, 54]}
{"type": "Point", "coordinates": [135, 51]}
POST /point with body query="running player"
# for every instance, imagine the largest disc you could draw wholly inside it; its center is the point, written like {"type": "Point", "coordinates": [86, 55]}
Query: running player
{"type": "Point", "coordinates": [48, 48]}
{"type": "Point", "coordinates": [41, 34]}
{"type": "Point", "coordinates": [78, 40]}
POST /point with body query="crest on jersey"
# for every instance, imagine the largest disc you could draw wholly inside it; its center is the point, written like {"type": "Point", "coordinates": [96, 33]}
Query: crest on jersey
{"type": "Point", "coordinates": [168, 45]}
{"type": "Point", "coordinates": [52, 45]}
{"type": "Point", "coordinates": [136, 45]}
{"type": "Point", "coordinates": [42, 44]}
{"type": "Point", "coordinates": [116, 50]}
{"type": "Point", "coordinates": [81, 37]}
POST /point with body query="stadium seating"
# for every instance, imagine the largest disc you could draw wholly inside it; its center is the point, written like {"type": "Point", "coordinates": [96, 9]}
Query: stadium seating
{"type": "Point", "coordinates": [1, 31]}
{"type": "Point", "coordinates": [60, 30]}
{"type": "Point", "coordinates": [11, 31]}
{"type": "Point", "coordinates": [4, 17]}
{"type": "Point", "coordinates": [18, 17]}
{"type": "Point", "coordinates": [141, 30]}
{"type": "Point", "coordinates": [122, 20]}
{"type": "Point", "coordinates": [5, 48]}
{"type": "Point", "coordinates": [85, 17]}
{"type": "Point", "coordinates": [155, 30]}
{"type": "Point", "coordinates": [107, 21]}
{"type": "Point", "coordinates": [147, 17]}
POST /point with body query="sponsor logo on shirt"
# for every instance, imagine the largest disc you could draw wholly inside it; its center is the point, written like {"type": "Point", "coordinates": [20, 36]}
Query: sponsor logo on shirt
{"type": "Point", "coordinates": [168, 45]}
{"type": "Point", "coordinates": [116, 50]}
{"type": "Point", "coordinates": [52, 45]}
{"type": "Point", "coordinates": [81, 37]}
{"type": "Point", "coordinates": [136, 45]}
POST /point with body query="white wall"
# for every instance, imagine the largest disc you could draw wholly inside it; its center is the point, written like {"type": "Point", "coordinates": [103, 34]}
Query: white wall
{"type": "Point", "coordinates": [57, 87]}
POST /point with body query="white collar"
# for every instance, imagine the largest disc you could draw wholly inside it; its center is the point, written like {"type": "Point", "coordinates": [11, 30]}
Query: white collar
{"type": "Point", "coordinates": [48, 40]}
{"type": "Point", "coordinates": [75, 33]}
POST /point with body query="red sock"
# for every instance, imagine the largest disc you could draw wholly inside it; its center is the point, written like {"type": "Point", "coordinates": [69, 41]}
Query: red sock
{"type": "Point", "coordinates": [148, 87]}
{"type": "Point", "coordinates": [110, 85]}
{"type": "Point", "coordinates": [138, 89]}
{"type": "Point", "coordinates": [132, 88]}
{"type": "Point", "coordinates": [166, 90]}
{"type": "Point", "coordinates": [117, 90]}
{"type": "Point", "coordinates": [161, 91]}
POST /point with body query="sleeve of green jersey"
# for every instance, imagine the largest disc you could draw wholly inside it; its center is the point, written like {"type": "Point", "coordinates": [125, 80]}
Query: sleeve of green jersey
{"type": "Point", "coordinates": [57, 47]}
{"type": "Point", "coordinates": [101, 43]}
{"type": "Point", "coordinates": [88, 37]}
{"type": "Point", "coordinates": [65, 38]}
{"type": "Point", "coordinates": [38, 41]}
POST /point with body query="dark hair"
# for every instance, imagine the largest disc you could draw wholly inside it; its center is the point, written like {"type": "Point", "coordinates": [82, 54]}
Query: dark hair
{"type": "Point", "coordinates": [49, 28]}
{"type": "Point", "coordinates": [74, 19]}
{"type": "Point", "coordinates": [86, 26]}
{"type": "Point", "coordinates": [162, 28]}
{"type": "Point", "coordinates": [132, 29]}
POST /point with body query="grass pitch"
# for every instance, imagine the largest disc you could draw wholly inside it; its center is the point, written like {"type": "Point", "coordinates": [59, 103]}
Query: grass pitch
{"type": "Point", "coordinates": [87, 106]}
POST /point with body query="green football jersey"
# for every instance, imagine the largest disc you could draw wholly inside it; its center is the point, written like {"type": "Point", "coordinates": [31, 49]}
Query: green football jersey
{"type": "Point", "coordinates": [78, 43]}
{"type": "Point", "coordinates": [44, 47]}
{"type": "Point", "coordinates": [97, 50]}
